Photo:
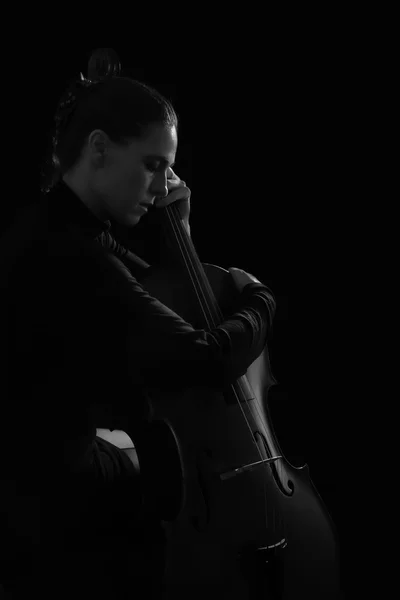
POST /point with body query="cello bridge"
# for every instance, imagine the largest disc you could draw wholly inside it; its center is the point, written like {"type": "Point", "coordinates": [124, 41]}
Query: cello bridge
{"type": "Point", "coordinates": [249, 467]}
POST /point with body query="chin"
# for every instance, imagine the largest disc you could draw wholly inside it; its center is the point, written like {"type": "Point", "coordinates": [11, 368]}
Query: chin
{"type": "Point", "coordinates": [129, 220]}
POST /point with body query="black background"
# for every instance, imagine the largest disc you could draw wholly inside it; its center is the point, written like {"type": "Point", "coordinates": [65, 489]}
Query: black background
{"type": "Point", "coordinates": [255, 140]}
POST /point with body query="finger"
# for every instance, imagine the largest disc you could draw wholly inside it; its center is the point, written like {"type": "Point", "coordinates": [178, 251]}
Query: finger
{"type": "Point", "coordinates": [171, 184]}
{"type": "Point", "coordinates": [171, 174]}
{"type": "Point", "coordinates": [181, 193]}
{"type": "Point", "coordinates": [173, 178]}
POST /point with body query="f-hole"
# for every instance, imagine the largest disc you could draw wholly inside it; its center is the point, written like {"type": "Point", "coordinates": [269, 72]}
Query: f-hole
{"type": "Point", "coordinates": [279, 473]}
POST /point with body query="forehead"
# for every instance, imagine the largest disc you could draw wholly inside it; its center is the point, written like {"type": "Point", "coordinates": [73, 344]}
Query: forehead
{"type": "Point", "coordinates": [160, 140]}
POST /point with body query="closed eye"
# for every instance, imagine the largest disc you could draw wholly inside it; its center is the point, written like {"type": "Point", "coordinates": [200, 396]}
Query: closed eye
{"type": "Point", "coordinates": [155, 163]}
{"type": "Point", "coordinates": [152, 167]}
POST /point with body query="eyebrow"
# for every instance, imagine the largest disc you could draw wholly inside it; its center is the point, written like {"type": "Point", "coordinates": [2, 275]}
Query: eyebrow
{"type": "Point", "coordinates": [162, 159]}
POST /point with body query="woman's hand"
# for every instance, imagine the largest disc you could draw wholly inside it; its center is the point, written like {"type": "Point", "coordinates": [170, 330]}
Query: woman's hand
{"type": "Point", "coordinates": [177, 192]}
{"type": "Point", "coordinates": [241, 278]}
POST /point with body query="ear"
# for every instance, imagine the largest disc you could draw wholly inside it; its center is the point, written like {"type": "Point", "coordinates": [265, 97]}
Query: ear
{"type": "Point", "coordinates": [98, 145]}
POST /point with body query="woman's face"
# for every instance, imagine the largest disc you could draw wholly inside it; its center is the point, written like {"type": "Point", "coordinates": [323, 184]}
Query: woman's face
{"type": "Point", "coordinates": [123, 178]}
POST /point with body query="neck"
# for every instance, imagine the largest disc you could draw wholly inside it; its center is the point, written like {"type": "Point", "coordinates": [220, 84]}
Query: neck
{"type": "Point", "coordinates": [80, 187]}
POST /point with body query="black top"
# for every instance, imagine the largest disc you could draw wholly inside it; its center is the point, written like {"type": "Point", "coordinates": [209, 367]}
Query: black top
{"type": "Point", "coordinates": [78, 328]}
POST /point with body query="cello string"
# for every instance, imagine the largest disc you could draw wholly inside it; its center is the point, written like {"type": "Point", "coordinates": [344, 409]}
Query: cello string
{"type": "Point", "coordinates": [184, 243]}
{"type": "Point", "coordinates": [181, 239]}
{"type": "Point", "coordinates": [267, 465]}
{"type": "Point", "coordinates": [203, 280]}
{"type": "Point", "coordinates": [181, 236]}
{"type": "Point", "coordinates": [186, 258]}
{"type": "Point", "coordinates": [179, 232]}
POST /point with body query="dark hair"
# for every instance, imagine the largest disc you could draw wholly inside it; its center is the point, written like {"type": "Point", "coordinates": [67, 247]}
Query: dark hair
{"type": "Point", "coordinates": [122, 107]}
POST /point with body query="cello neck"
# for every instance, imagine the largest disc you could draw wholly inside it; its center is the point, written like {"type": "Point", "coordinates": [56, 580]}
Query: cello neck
{"type": "Point", "coordinates": [184, 254]}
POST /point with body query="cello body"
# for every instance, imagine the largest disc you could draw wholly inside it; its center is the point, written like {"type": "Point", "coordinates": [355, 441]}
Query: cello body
{"type": "Point", "coordinates": [238, 527]}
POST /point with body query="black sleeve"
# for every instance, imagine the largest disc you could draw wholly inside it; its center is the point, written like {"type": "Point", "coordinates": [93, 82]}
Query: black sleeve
{"type": "Point", "coordinates": [162, 346]}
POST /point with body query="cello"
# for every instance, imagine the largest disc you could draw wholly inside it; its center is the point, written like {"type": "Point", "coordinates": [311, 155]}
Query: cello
{"type": "Point", "coordinates": [241, 521]}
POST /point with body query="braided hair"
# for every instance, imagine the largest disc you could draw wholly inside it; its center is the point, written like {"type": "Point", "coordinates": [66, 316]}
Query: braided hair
{"type": "Point", "coordinates": [120, 106]}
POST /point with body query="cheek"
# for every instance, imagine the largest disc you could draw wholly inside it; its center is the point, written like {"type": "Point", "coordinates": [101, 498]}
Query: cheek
{"type": "Point", "coordinates": [138, 180]}
{"type": "Point", "coordinates": [131, 191]}
{"type": "Point", "coordinates": [111, 182]}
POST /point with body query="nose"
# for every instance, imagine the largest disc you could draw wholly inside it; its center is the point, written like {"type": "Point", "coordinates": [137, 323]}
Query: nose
{"type": "Point", "coordinates": [159, 186]}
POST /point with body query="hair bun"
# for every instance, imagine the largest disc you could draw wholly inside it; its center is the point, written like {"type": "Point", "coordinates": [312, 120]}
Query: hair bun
{"type": "Point", "coordinates": [103, 63]}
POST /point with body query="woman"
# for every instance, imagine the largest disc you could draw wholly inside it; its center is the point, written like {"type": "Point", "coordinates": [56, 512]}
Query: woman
{"type": "Point", "coordinates": [84, 332]}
